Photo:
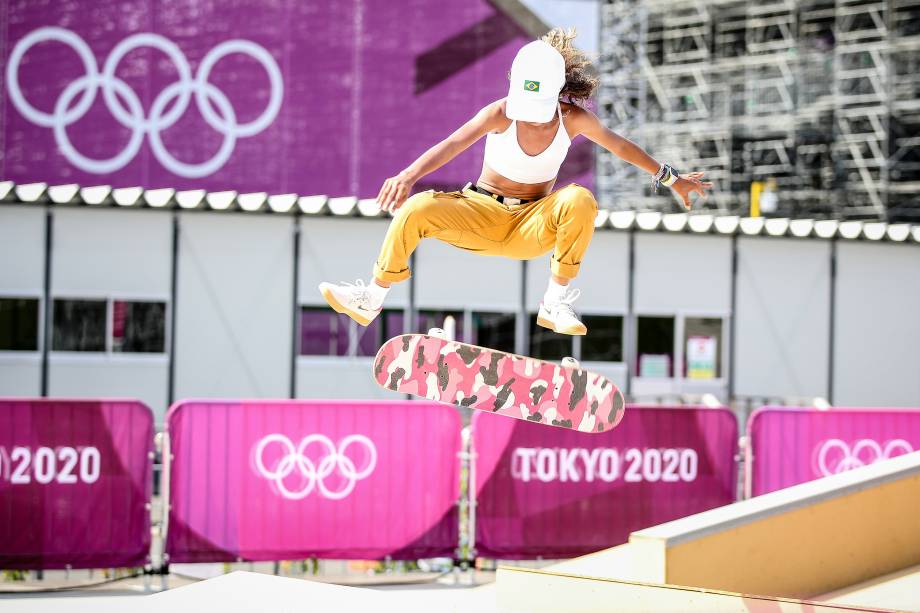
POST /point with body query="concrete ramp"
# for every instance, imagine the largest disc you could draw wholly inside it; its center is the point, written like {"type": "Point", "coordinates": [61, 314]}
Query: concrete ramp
{"type": "Point", "coordinates": [540, 591]}
{"type": "Point", "coordinates": [236, 592]}
{"type": "Point", "coordinates": [900, 590]}
{"type": "Point", "coordinates": [800, 542]}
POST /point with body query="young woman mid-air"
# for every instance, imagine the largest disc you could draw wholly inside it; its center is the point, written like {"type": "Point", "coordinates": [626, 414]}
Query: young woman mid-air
{"type": "Point", "coordinates": [512, 209]}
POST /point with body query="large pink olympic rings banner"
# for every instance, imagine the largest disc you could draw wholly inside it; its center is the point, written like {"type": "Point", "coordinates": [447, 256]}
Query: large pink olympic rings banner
{"type": "Point", "coordinates": [75, 482]}
{"type": "Point", "coordinates": [550, 492]}
{"type": "Point", "coordinates": [276, 480]}
{"type": "Point", "coordinates": [788, 446]}
{"type": "Point", "coordinates": [233, 96]}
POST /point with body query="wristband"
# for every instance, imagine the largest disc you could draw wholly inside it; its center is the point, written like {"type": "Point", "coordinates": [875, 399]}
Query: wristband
{"type": "Point", "coordinates": [666, 176]}
{"type": "Point", "coordinates": [671, 178]}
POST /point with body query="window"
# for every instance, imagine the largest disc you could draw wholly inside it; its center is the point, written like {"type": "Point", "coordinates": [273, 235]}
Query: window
{"type": "Point", "coordinates": [546, 344]}
{"type": "Point", "coordinates": [435, 319]}
{"type": "Point", "coordinates": [138, 327]}
{"type": "Point", "coordinates": [703, 347]}
{"type": "Point", "coordinates": [18, 324]}
{"type": "Point", "coordinates": [323, 331]}
{"type": "Point", "coordinates": [78, 325]}
{"type": "Point", "coordinates": [387, 325]}
{"type": "Point", "coordinates": [655, 346]}
{"type": "Point", "coordinates": [604, 341]}
{"type": "Point", "coordinates": [494, 330]}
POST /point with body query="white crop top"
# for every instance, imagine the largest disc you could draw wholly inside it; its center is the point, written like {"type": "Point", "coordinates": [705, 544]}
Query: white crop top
{"type": "Point", "coordinates": [505, 156]}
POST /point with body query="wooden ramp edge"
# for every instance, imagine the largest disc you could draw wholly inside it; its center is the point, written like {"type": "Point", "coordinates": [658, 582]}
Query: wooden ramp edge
{"type": "Point", "coordinates": [542, 591]}
{"type": "Point", "coordinates": [799, 542]}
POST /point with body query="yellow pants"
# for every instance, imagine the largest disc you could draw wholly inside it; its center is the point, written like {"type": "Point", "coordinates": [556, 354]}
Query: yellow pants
{"type": "Point", "coordinates": [563, 220]}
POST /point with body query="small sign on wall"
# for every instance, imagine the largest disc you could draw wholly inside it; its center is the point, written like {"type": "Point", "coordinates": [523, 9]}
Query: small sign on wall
{"type": "Point", "coordinates": [655, 365]}
{"type": "Point", "coordinates": [701, 357]}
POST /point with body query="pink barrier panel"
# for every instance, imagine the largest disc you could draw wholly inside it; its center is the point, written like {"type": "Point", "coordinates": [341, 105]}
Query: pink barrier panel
{"type": "Point", "coordinates": [75, 479]}
{"type": "Point", "coordinates": [277, 480]}
{"type": "Point", "coordinates": [551, 492]}
{"type": "Point", "coordinates": [789, 446]}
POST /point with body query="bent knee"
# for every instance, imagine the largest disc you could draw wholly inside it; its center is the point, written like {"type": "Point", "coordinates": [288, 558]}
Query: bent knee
{"type": "Point", "coordinates": [421, 205]}
{"type": "Point", "coordinates": [579, 200]}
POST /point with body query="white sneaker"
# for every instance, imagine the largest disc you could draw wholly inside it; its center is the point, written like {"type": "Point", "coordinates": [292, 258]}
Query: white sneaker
{"type": "Point", "coordinates": [560, 316]}
{"type": "Point", "coordinates": [353, 299]}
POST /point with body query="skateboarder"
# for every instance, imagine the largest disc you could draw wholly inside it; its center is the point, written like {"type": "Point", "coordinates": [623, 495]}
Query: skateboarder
{"type": "Point", "coordinates": [511, 209]}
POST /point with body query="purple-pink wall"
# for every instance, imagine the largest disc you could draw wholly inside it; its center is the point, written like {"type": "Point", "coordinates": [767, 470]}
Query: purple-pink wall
{"type": "Point", "coordinates": [559, 493]}
{"type": "Point", "coordinates": [367, 87]}
{"type": "Point", "coordinates": [358, 479]}
{"type": "Point", "coordinates": [283, 480]}
{"type": "Point", "coordinates": [790, 445]}
{"type": "Point", "coordinates": [75, 483]}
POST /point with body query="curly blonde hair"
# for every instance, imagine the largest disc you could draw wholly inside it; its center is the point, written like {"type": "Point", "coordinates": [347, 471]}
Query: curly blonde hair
{"type": "Point", "coordinates": [580, 81]}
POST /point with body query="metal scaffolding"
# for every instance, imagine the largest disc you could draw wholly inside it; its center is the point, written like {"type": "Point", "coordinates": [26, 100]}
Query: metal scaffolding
{"type": "Point", "coordinates": [819, 98]}
{"type": "Point", "coordinates": [622, 92]}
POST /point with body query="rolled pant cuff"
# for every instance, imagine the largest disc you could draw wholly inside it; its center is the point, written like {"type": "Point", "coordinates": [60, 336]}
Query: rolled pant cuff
{"type": "Point", "coordinates": [568, 271]}
{"type": "Point", "coordinates": [391, 277]}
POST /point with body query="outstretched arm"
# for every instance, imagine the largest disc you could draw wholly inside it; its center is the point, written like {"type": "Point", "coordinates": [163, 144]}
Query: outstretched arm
{"type": "Point", "coordinates": [396, 189]}
{"type": "Point", "coordinates": [588, 124]}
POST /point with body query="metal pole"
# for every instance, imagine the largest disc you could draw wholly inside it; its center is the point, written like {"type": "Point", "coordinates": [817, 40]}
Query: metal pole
{"type": "Point", "coordinates": [471, 493]}
{"type": "Point", "coordinates": [731, 320]}
{"type": "Point", "coordinates": [411, 312]}
{"type": "Point", "coordinates": [46, 341]}
{"type": "Point", "coordinates": [162, 565]}
{"type": "Point", "coordinates": [295, 308]}
{"type": "Point", "coordinates": [521, 322]}
{"type": "Point", "coordinates": [629, 326]}
{"type": "Point", "coordinates": [832, 323]}
{"type": "Point", "coordinates": [173, 307]}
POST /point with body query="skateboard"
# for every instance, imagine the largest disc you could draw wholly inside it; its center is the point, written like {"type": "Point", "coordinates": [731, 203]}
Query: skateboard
{"type": "Point", "coordinates": [562, 395]}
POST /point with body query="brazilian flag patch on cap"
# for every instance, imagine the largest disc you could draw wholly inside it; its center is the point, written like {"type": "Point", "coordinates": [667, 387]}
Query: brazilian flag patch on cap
{"type": "Point", "coordinates": [532, 86]}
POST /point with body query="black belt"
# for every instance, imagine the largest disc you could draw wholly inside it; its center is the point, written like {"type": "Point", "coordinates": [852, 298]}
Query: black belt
{"type": "Point", "coordinates": [498, 197]}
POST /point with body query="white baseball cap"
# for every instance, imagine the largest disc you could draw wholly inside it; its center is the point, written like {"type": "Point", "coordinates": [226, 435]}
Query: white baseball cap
{"type": "Point", "coordinates": [537, 77]}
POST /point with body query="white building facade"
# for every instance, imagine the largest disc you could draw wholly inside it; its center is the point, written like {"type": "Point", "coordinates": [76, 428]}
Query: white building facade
{"type": "Point", "coordinates": [164, 295]}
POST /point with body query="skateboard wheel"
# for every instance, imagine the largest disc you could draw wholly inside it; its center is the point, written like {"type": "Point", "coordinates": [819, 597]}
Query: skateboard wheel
{"type": "Point", "coordinates": [569, 362]}
{"type": "Point", "coordinates": [438, 333]}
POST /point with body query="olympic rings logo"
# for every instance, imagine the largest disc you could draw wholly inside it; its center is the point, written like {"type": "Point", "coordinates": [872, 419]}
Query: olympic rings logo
{"type": "Point", "coordinates": [313, 474]}
{"type": "Point", "coordinates": [835, 456]}
{"type": "Point", "coordinates": [130, 113]}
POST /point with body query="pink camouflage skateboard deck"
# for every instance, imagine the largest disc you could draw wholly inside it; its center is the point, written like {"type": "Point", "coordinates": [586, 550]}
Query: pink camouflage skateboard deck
{"type": "Point", "coordinates": [498, 382]}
